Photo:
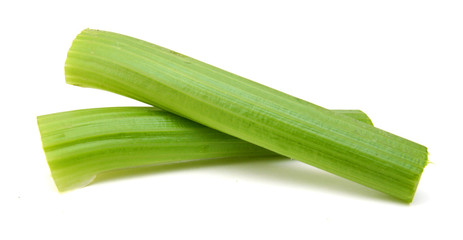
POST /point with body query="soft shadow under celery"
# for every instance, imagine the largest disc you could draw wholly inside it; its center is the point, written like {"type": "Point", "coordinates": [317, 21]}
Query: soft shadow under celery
{"type": "Point", "coordinates": [276, 169]}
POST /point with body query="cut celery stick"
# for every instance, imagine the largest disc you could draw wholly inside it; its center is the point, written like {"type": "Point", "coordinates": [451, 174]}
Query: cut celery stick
{"type": "Point", "coordinates": [245, 109]}
{"type": "Point", "coordinates": [80, 144]}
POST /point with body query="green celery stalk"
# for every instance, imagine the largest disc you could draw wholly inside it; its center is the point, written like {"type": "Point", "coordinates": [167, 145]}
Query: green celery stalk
{"type": "Point", "coordinates": [247, 110]}
{"type": "Point", "coordinates": [81, 144]}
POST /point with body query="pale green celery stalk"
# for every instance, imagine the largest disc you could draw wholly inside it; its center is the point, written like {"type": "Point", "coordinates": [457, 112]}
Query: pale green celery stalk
{"type": "Point", "coordinates": [248, 110]}
{"type": "Point", "coordinates": [80, 144]}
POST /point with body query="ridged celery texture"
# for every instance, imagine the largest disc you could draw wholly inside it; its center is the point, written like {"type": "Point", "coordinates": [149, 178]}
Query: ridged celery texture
{"type": "Point", "coordinates": [247, 110]}
{"type": "Point", "coordinates": [81, 144]}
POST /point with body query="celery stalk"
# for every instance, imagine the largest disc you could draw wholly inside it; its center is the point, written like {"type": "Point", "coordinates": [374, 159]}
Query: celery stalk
{"type": "Point", "coordinates": [247, 110]}
{"type": "Point", "coordinates": [80, 144]}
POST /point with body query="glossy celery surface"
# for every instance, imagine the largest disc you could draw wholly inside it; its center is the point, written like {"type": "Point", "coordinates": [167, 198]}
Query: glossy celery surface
{"type": "Point", "coordinates": [80, 144]}
{"type": "Point", "coordinates": [248, 110]}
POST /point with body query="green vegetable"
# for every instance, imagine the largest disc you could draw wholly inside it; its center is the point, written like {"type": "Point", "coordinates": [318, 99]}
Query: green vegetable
{"type": "Point", "coordinates": [245, 109]}
{"type": "Point", "coordinates": [81, 144]}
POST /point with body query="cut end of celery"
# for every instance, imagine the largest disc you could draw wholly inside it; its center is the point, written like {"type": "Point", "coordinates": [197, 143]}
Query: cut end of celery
{"type": "Point", "coordinates": [64, 181]}
{"type": "Point", "coordinates": [65, 185]}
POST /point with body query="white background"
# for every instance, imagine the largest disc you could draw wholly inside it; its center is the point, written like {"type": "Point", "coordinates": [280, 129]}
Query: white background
{"type": "Point", "coordinates": [399, 61]}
